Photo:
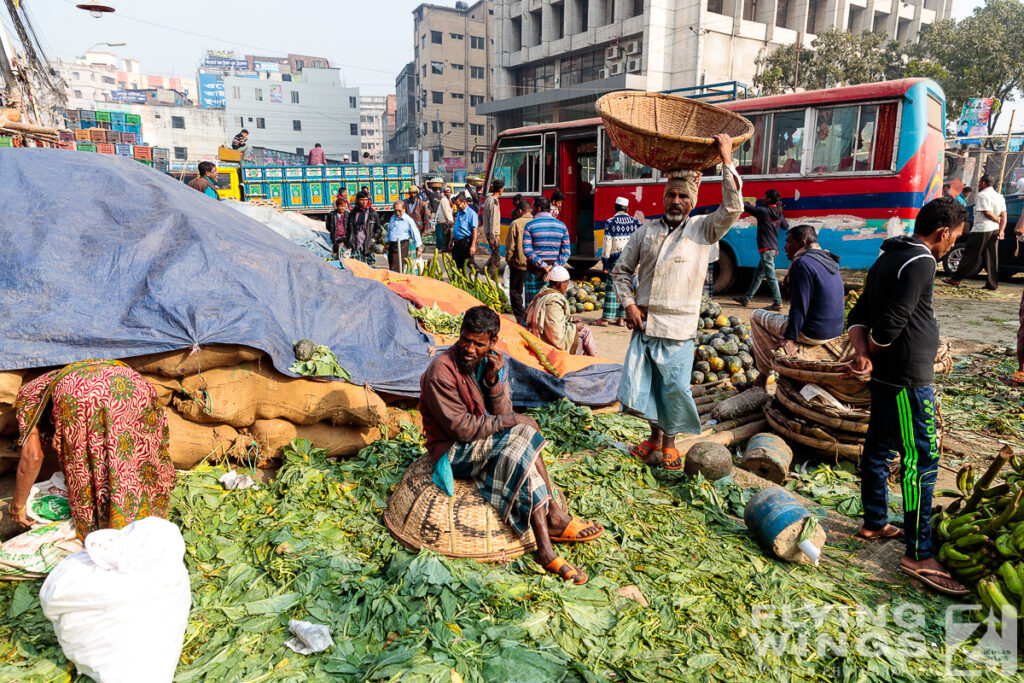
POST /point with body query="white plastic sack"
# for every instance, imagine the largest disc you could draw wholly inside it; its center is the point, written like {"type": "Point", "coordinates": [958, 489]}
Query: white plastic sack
{"type": "Point", "coordinates": [120, 607]}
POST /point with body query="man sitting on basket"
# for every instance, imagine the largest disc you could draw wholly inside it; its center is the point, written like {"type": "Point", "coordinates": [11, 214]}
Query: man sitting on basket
{"type": "Point", "coordinates": [816, 303]}
{"type": "Point", "coordinates": [549, 317]}
{"type": "Point", "coordinates": [669, 258]}
{"type": "Point", "coordinates": [473, 433]}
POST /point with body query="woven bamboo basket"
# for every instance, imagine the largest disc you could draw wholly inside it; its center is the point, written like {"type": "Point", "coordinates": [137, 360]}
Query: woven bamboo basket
{"type": "Point", "coordinates": [421, 515]}
{"type": "Point", "coordinates": [811, 437]}
{"type": "Point", "coordinates": [828, 375]}
{"type": "Point", "coordinates": [855, 421]}
{"type": "Point", "coordinates": [668, 132]}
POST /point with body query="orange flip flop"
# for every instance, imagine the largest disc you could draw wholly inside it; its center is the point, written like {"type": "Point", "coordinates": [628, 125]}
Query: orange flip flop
{"type": "Point", "coordinates": [566, 571]}
{"type": "Point", "coordinates": [643, 449]}
{"type": "Point", "coordinates": [571, 533]}
{"type": "Point", "coordinates": [1018, 378]}
{"type": "Point", "coordinates": [671, 459]}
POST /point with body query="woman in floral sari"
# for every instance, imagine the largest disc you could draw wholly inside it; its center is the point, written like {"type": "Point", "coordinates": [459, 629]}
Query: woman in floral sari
{"type": "Point", "coordinates": [111, 437]}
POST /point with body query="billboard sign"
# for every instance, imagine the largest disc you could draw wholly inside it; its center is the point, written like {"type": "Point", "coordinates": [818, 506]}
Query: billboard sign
{"type": "Point", "coordinates": [211, 91]}
{"type": "Point", "coordinates": [974, 120]}
{"type": "Point", "coordinates": [132, 96]}
{"type": "Point", "coordinates": [275, 94]}
{"type": "Point", "coordinates": [226, 64]}
{"type": "Point", "coordinates": [272, 67]}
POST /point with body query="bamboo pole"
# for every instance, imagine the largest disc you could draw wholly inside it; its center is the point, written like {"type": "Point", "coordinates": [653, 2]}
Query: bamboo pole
{"type": "Point", "coordinates": [1006, 150]}
{"type": "Point", "coordinates": [727, 438]}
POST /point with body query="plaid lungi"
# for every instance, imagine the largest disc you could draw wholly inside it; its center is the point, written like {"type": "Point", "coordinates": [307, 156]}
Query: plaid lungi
{"type": "Point", "coordinates": [534, 283]}
{"type": "Point", "coordinates": [503, 466]}
{"type": "Point", "coordinates": [612, 310]}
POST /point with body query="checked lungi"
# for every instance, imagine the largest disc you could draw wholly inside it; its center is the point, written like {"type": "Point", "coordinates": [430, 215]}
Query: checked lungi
{"type": "Point", "coordinates": [503, 466]}
{"type": "Point", "coordinates": [534, 283]}
{"type": "Point", "coordinates": [612, 309]}
{"type": "Point", "coordinates": [656, 383]}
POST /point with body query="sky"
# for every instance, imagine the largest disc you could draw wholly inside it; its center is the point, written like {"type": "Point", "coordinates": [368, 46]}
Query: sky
{"type": "Point", "coordinates": [369, 40]}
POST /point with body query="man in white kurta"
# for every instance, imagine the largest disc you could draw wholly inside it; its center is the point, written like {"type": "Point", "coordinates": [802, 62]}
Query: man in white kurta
{"type": "Point", "coordinates": [669, 258]}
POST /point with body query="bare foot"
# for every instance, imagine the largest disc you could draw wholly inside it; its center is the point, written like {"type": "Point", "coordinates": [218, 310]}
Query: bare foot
{"type": "Point", "coordinates": [933, 574]}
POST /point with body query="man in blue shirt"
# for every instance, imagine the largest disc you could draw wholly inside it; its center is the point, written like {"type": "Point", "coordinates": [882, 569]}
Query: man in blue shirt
{"type": "Point", "coordinates": [463, 242]}
{"type": "Point", "coordinates": [545, 243]}
{"type": "Point", "coordinates": [816, 303]}
{"type": "Point", "coordinates": [206, 181]}
{"type": "Point", "coordinates": [401, 229]}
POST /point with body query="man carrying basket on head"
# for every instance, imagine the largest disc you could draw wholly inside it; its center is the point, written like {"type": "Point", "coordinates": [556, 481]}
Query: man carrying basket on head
{"type": "Point", "coordinates": [669, 257]}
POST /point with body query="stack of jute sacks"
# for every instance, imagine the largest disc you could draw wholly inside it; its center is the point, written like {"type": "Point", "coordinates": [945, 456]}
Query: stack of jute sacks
{"type": "Point", "coordinates": [228, 401]}
{"type": "Point", "coordinates": [10, 382]}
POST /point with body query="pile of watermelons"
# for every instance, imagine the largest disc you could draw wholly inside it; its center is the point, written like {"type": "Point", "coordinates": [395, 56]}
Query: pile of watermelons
{"type": "Point", "coordinates": [586, 295]}
{"type": "Point", "coordinates": [723, 349]}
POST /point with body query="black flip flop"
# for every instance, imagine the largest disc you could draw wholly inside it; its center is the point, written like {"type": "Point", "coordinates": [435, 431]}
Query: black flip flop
{"type": "Point", "coordinates": [894, 532]}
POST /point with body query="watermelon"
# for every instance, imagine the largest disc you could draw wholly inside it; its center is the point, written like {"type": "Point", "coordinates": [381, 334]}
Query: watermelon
{"type": "Point", "coordinates": [710, 377]}
{"type": "Point", "coordinates": [708, 323]}
{"type": "Point", "coordinates": [696, 377]}
{"type": "Point", "coordinates": [717, 343]}
{"type": "Point", "coordinates": [733, 364]}
{"type": "Point", "coordinates": [740, 330]}
{"type": "Point", "coordinates": [714, 310]}
{"type": "Point", "coordinates": [729, 348]}
{"type": "Point", "coordinates": [704, 339]}
{"type": "Point", "coordinates": [744, 348]}
{"type": "Point", "coordinates": [725, 330]}
{"type": "Point", "coordinates": [746, 359]}
{"type": "Point", "coordinates": [734, 321]}
{"type": "Point", "coordinates": [702, 366]}
{"type": "Point", "coordinates": [738, 378]}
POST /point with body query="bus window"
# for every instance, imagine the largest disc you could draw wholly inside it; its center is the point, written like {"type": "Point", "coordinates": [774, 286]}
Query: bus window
{"type": "Point", "coordinates": [885, 136]}
{"type": "Point", "coordinates": [935, 113]}
{"type": "Point", "coordinates": [834, 133]}
{"type": "Point", "coordinates": [617, 166]}
{"type": "Point", "coordinates": [520, 169]}
{"type": "Point", "coordinates": [787, 150]}
{"type": "Point", "coordinates": [550, 178]}
{"type": "Point", "coordinates": [750, 155]}
{"type": "Point", "coordinates": [864, 143]}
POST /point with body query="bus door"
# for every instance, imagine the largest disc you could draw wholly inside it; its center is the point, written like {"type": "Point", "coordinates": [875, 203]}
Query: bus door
{"type": "Point", "coordinates": [578, 175]}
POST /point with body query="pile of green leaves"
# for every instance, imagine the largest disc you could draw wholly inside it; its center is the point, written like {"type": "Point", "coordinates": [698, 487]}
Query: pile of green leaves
{"type": "Point", "coordinates": [437, 321]}
{"type": "Point", "coordinates": [323, 363]}
{"type": "Point", "coordinates": [975, 396]}
{"type": "Point", "coordinates": [568, 427]}
{"type": "Point", "coordinates": [835, 487]}
{"type": "Point", "coordinates": [311, 545]}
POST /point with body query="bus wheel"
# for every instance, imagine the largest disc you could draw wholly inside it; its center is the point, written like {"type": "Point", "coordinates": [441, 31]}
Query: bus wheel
{"type": "Point", "coordinates": [725, 271]}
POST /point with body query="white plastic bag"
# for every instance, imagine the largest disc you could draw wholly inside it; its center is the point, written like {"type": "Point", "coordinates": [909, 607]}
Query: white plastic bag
{"type": "Point", "coordinates": [120, 607]}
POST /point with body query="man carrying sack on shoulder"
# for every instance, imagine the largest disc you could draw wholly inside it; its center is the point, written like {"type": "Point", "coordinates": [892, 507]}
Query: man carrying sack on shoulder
{"type": "Point", "coordinates": [669, 257]}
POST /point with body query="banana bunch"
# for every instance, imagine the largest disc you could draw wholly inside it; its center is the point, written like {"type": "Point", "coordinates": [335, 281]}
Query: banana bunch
{"type": "Point", "coordinates": [479, 285]}
{"type": "Point", "coordinates": [983, 544]}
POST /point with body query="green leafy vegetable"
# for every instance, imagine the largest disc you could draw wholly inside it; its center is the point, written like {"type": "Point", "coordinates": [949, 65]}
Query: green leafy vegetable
{"type": "Point", "coordinates": [437, 321]}
{"type": "Point", "coordinates": [322, 364]}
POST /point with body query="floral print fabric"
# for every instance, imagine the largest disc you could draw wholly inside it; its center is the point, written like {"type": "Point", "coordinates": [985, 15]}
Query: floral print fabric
{"type": "Point", "coordinates": [111, 437]}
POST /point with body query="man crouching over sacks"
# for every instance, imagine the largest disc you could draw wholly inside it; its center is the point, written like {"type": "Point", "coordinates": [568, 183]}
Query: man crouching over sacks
{"type": "Point", "coordinates": [669, 258]}
{"type": "Point", "coordinates": [473, 433]}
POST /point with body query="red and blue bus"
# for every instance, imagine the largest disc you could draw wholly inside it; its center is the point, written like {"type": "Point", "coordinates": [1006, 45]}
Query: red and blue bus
{"type": "Point", "coordinates": [856, 162]}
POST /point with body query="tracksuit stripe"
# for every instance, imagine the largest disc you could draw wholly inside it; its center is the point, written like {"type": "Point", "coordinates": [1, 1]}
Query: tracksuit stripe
{"type": "Point", "coordinates": [911, 492]}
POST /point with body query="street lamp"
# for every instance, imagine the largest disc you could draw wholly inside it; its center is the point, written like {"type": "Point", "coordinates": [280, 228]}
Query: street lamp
{"type": "Point", "coordinates": [95, 9]}
{"type": "Point", "coordinates": [89, 49]}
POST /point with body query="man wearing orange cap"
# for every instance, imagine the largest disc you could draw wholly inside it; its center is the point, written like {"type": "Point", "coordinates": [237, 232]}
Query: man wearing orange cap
{"type": "Point", "coordinates": [669, 258]}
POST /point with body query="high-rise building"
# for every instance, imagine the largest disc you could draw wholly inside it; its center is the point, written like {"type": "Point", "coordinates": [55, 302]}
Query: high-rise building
{"type": "Point", "coordinates": [554, 58]}
{"type": "Point", "coordinates": [293, 114]}
{"type": "Point", "coordinates": [449, 78]}
{"type": "Point", "coordinates": [98, 78]}
{"type": "Point", "coordinates": [371, 127]}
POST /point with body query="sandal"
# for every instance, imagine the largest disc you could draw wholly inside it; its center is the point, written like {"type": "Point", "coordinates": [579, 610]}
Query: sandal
{"type": "Point", "coordinates": [951, 282]}
{"type": "Point", "coordinates": [671, 459]}
{"type": "Point", "coordinates": [1018, 378]}
{"type": "Point", "coordinates": [566, 571]}
{"type": "Point", "coordinates": [571, 533]}
{"type": "Point", "coordinates": [886, 532]}
{"type": "Point", "coordinates": [600, 323]}
{"type": "Point", "coordinates": [923, 574]}
{"type": "Point", "coordinates": [643, 449]}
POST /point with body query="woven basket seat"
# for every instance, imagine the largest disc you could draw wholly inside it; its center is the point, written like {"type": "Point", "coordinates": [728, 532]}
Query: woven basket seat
{"type": "Point", "coordinates": [668, 132]}
{"type": "Point", "coordinates": [421, 515]}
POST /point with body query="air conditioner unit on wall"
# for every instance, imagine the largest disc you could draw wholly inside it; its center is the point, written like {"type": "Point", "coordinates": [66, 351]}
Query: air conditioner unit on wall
{"type": "Point", "coordinates": [633, 47]}
{"type": "Point", "coordinates": [615, 69]}
{"type": "Point", "coordinates": [633, 65]}
{"type": "Point", "coordinates": [612, 52]}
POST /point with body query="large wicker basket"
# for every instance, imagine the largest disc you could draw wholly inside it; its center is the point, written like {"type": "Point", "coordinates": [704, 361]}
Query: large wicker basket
{"type": "Point", "coordinates": [668, 132]}
{"type": "Point", "coordinates": [421, 515]}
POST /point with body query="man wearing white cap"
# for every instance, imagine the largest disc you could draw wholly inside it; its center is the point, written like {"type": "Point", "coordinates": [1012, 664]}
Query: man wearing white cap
{"type": "Point", "coordinates": [669, 257]}
{"type": "Point", "coordinates": [617, 232]}
{"type": "Point", "coordinates": [548, 317]}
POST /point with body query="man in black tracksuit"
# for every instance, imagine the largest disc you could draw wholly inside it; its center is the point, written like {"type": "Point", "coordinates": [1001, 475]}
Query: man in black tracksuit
{"type": "Point", "coordinates": [895, 338]}
{"type": "Point", "coordinates": [769, 221]}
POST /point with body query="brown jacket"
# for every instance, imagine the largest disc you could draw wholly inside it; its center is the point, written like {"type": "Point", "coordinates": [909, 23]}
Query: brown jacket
{"type": "Point", "coordinates": [421, 214]}
{"type": "Point", "coordinates": [514, 255]}
{"type": "Point", "coordinates": [455, 407]}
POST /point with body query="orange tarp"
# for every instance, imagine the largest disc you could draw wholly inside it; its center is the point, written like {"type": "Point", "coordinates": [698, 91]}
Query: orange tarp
{"type": "Point", "coordinates": [426, 291]}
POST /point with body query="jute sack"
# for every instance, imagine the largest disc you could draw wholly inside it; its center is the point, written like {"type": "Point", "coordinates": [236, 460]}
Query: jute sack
{"type": "Point", "coordinates": [185, 362]}
{"type": "Point", "coordinates": [191, 442]}
{"type": "Point", "coordinates": [245, 393]}
{"type": "Point", "coordinates": [165, 388]}
{"type": "Point", "coordinates": [10, 382]}
{"type": "Point", "coordinates": [273, 435]}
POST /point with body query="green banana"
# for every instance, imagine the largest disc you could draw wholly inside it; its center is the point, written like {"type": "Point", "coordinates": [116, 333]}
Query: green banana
{"type": "Point", "coordinates": [958, 522]}
{"type": "Point", "coordinates": [970, 540]}
{"type": "Point", "coordinates": [943, 529]}
{"type": "Point", "coordinates": [1005, 547]}
{"type": "Point", "coordinates": [953, 554]}
{"type": "Point", "coordinates": [1011, 579]}
{"type": "Point", "coordinates": [996, 592]}
{"type": "Point", "coordinates": [966, 530]}
{"type": "Point", "coordinates": [971, 573]}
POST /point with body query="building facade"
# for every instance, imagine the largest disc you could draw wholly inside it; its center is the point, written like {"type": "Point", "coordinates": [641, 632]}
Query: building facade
{"type": "Point", "coordinates": [372, 109]}
{"type": "Point", "coordinates": [449, 78]}
{"type": "Point", "coordinates": [554, 58]}
{"type": "Point", "coordinates": [293, 115]}
{"type": "Point", "coordinates": [191, 133]}
{"type": "Point", "coordinates": [98, 78]}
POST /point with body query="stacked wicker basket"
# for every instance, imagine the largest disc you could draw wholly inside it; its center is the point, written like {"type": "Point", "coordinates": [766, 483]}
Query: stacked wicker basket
{"type": "Point", "coordinates": [833, 429]}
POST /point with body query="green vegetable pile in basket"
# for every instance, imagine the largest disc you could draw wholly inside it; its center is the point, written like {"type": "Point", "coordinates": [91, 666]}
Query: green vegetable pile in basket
{"type": "Point", "coordinates": [317, 361]}
{"type": "Point", "coordinates": [436, 321]}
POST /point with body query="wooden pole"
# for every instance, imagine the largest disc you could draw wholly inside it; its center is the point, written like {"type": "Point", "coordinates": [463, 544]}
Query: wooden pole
{"type": "Point", "coordinates": [728, 438]}
{"type": "Point", "coordinates": [1006, 150]}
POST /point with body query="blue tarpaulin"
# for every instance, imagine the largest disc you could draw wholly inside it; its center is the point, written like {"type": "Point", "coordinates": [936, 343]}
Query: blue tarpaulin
{"type": "Point", "coordinates": [103, 257]}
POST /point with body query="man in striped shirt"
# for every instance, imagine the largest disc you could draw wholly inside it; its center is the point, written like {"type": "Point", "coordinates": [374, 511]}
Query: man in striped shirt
{"type": "Point", "coordinates": [545, 244]}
